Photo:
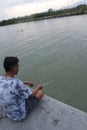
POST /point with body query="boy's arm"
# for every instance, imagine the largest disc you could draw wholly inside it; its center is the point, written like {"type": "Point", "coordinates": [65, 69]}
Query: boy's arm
{"type": "Point", "coordinates": [29, 83]}
{"type": "Point", "coordinates": [22, 90]}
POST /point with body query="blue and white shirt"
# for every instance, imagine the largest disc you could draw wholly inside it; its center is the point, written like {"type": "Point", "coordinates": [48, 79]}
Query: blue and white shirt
{"type": "Point", "coordinates": [13, 95]}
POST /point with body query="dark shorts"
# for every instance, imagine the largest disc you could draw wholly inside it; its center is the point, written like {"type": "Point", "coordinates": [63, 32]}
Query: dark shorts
{"type": "Point", "coordinates": [31, 103]}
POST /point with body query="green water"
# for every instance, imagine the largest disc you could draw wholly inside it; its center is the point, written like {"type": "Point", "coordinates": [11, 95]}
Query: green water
{"type": "Point", "coordinates": [54, 49]}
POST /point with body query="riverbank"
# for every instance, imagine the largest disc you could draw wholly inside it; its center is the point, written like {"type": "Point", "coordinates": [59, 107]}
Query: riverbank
{"type": "Point", "coordinates": [50, 114]}
{"type": "Point", "coordinates": [79, 10]}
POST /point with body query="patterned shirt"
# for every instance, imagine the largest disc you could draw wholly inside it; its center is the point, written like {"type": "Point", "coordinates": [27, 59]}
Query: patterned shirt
{"type": "Point", "coordinates": [13, 95]}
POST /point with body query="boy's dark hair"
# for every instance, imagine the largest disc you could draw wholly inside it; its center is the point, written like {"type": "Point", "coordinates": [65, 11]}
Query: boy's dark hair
{"type": "Point", "coordinates": [9, 63]}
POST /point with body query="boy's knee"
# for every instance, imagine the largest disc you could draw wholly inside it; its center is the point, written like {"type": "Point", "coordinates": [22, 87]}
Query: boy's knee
{"type": "Point", "coordinates": [41, 92]}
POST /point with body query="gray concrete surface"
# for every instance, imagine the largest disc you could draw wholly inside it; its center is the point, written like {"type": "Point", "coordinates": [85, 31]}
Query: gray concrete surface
{"type": "Point", "coordinates": [49, 115]}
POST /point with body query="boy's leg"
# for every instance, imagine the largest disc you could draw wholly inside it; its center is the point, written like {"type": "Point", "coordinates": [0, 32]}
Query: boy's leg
{"type": "Point", "coordinates": [32, 102]}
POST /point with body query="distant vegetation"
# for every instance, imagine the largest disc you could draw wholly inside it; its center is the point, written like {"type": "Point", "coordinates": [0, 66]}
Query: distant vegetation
{"type": "Point", "coordinates": [81, 9]}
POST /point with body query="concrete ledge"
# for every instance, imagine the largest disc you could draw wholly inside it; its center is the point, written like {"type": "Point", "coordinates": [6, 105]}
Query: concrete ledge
{"type": "Point", "coordinates": [49, 115]}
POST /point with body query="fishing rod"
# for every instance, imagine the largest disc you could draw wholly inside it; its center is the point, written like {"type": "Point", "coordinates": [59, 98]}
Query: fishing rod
{"type": "Point", "coordinates": [48, 83]}
{"type": "Point", "coordinates": [43, 85]}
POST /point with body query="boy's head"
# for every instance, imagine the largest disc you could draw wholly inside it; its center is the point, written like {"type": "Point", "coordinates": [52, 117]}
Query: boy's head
{"type": "Point", "coordinates": [10, 64]}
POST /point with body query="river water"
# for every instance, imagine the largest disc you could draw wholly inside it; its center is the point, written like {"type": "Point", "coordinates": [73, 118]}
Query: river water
{"type": "Point", "coordinates": [54, 49]}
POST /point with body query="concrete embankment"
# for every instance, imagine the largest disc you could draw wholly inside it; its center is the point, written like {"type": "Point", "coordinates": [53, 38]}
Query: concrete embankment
{"type": "Point", "coordinates": [49, 115]}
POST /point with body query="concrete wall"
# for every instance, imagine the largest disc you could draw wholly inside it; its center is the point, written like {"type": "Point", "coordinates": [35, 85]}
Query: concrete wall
{"type": "Point", "coordinates": [49, 115]}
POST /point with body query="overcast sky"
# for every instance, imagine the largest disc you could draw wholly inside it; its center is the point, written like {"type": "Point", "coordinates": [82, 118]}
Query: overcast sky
{"type": "Point", "coordinates": [15, 8]}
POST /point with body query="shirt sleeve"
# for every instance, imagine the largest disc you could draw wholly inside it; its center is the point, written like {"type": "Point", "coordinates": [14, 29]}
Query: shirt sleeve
{"type": "Point", "coordinates": [22, 90]}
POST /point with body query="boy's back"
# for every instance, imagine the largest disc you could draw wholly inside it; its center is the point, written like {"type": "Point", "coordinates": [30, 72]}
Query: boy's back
{"type": "Point", "coordinates": [12, 97]}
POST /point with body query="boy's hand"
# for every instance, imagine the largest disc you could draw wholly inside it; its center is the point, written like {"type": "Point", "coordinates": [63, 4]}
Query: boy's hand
{"type": "Point", "coordinates": [39, 87]}
{"type": "Point", "coordinates": [29, 83]}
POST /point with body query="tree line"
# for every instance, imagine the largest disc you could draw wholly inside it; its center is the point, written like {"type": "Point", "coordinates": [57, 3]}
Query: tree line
{"type": "Point", "coordinates": [81, 9]}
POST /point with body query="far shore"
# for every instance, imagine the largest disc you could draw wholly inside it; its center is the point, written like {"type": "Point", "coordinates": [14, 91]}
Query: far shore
{"type": "Point", "coordinates": [79, 10]}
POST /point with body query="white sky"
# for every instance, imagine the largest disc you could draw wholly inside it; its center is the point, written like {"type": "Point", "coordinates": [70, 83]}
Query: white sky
{"type": "Point", "coordinates": [15, 8]}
